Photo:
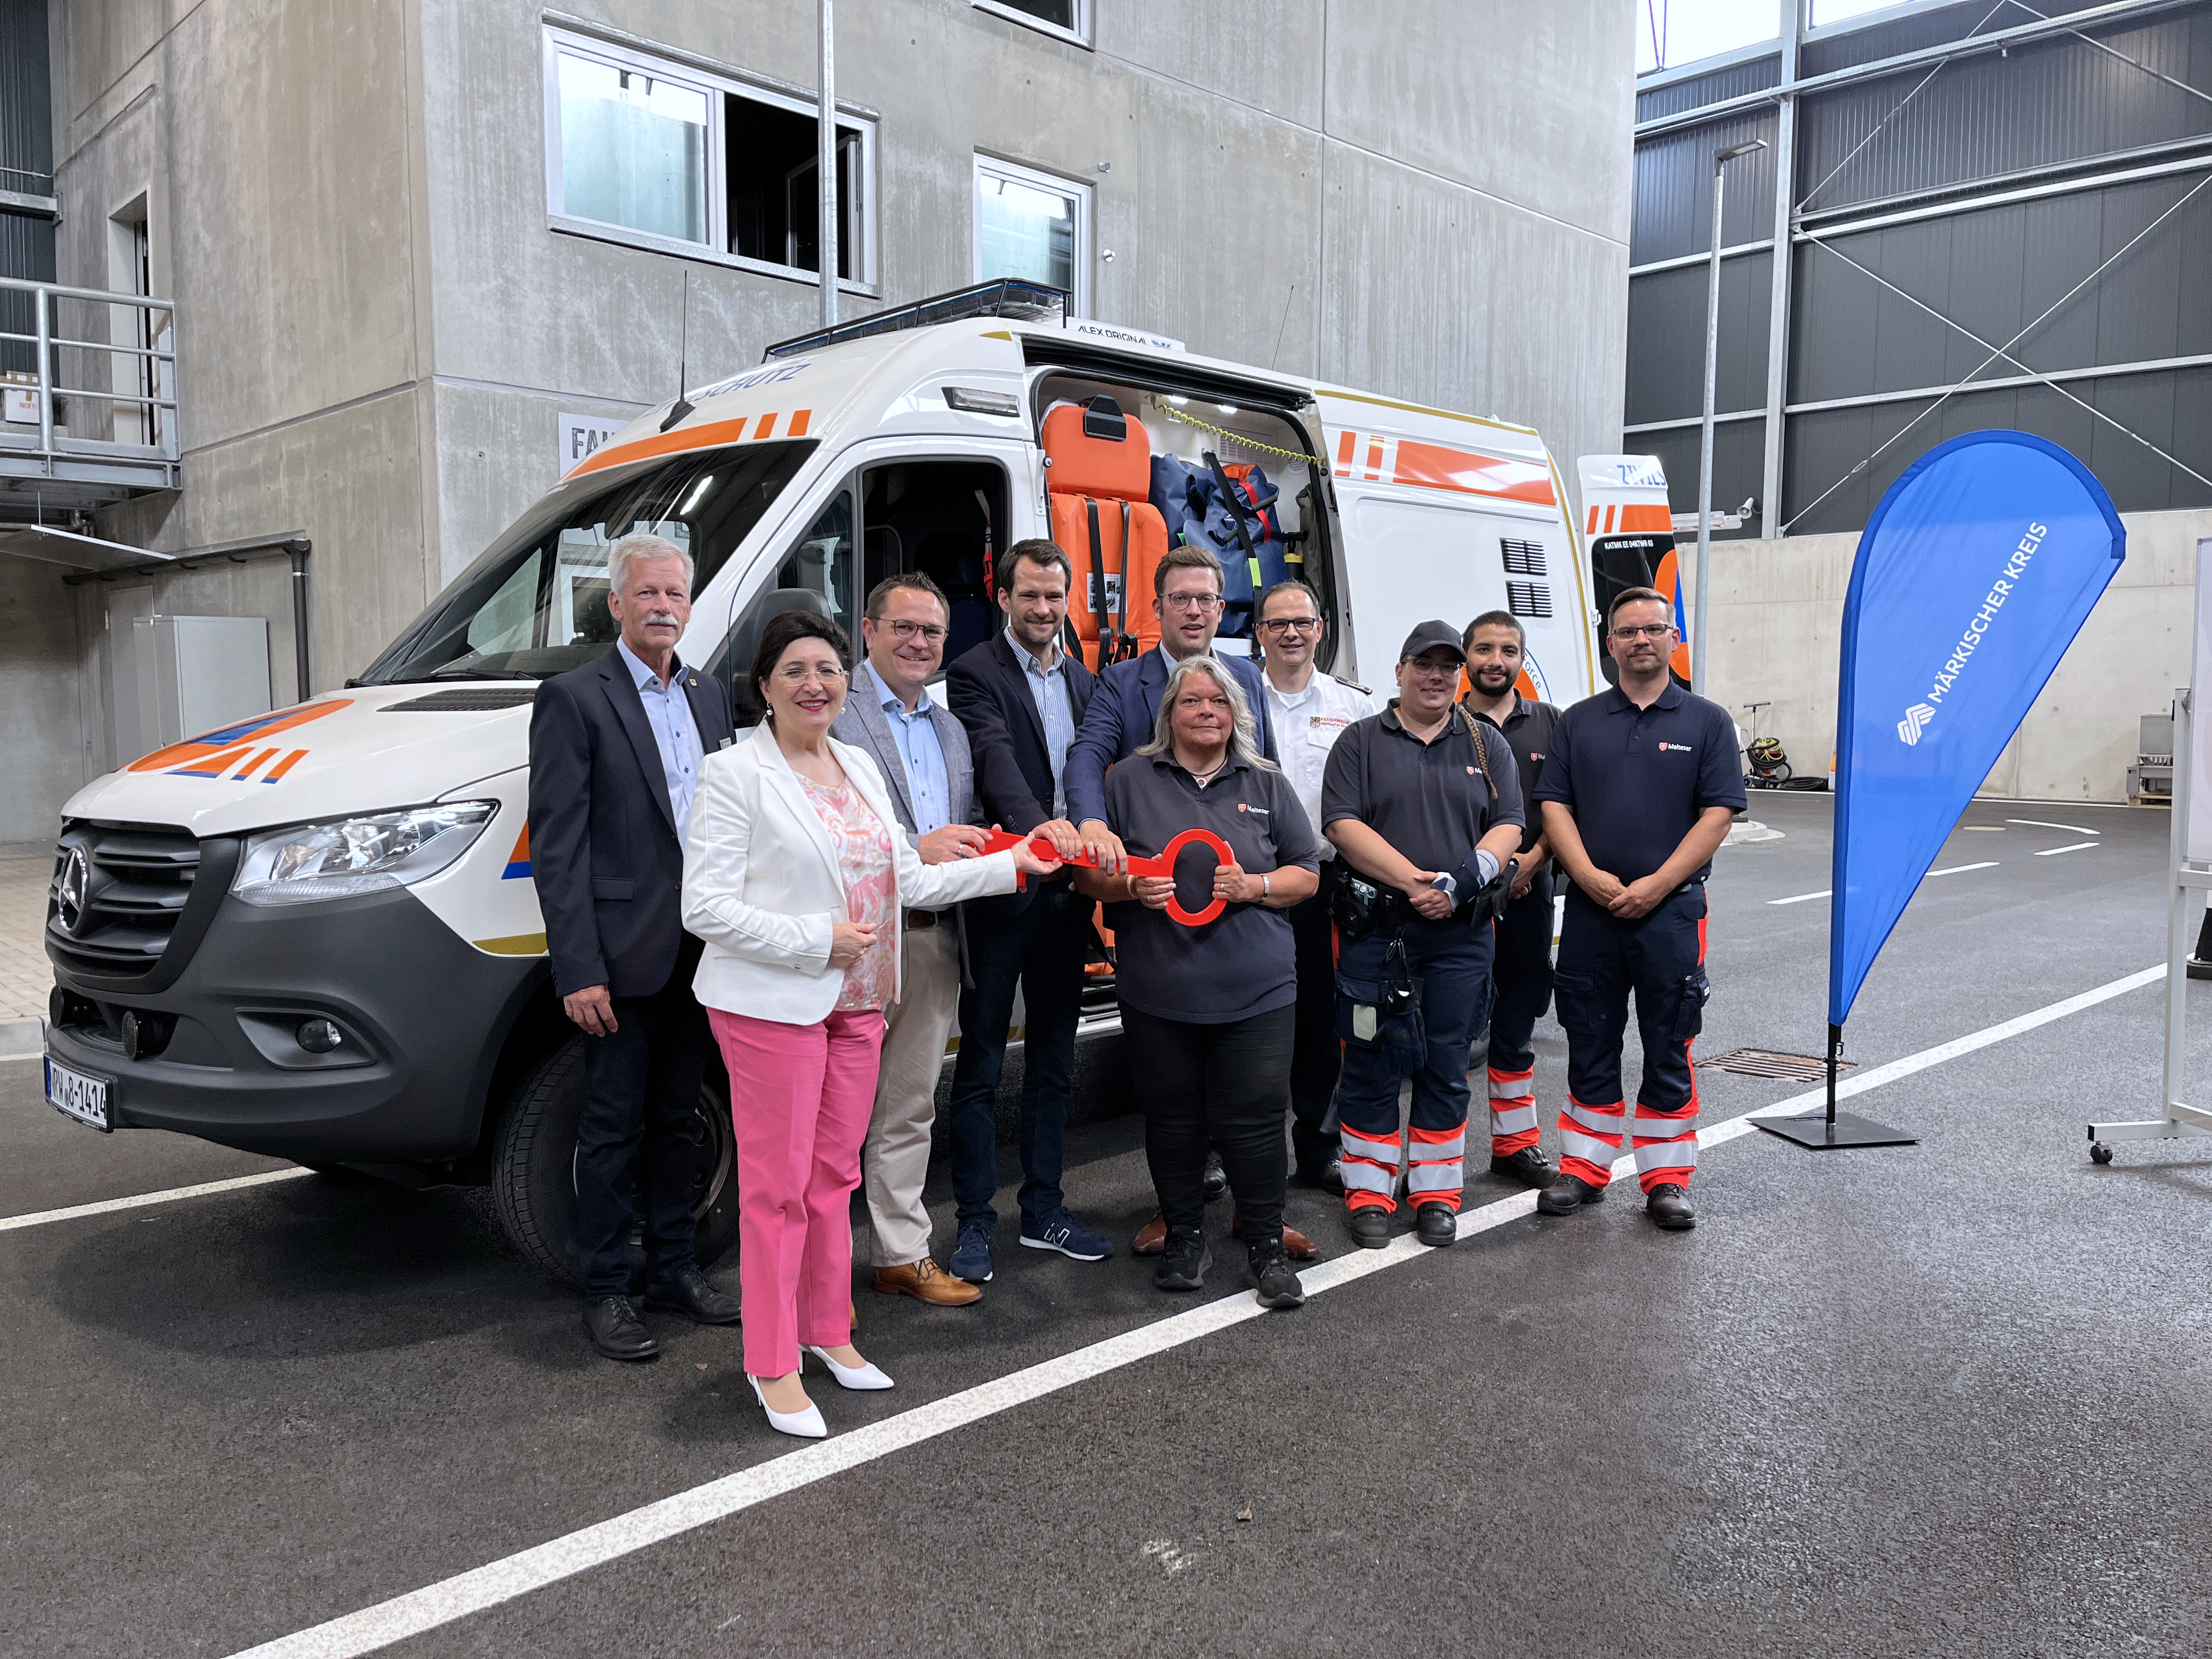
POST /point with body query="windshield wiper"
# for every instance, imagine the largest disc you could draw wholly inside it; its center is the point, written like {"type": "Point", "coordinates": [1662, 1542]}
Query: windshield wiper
{"type": "Point", "coordinates": [481, 674]}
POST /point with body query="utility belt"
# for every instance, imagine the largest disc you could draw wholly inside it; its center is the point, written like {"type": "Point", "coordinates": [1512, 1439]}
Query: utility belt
{"type": "Point", "coordinates": [1361, 907]}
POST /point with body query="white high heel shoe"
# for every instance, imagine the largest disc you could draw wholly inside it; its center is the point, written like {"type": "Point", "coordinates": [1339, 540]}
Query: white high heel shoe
{"type": "Point", "coordinates": [863, 1375]}
{"type": "Point", "coordinates": [806, 1425]}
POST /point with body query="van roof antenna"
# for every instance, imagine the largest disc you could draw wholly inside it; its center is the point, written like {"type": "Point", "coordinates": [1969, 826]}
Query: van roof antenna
{"type": "Point", "coordinates": [683, 405]}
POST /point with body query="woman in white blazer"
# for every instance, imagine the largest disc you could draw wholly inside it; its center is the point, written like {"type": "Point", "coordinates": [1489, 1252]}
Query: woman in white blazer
{"type": "Point", "coordinates": [795, 875]}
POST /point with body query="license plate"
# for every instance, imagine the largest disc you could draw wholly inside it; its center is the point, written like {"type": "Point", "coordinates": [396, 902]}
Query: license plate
{"type": "Point", "coordinates": [84, 1099]}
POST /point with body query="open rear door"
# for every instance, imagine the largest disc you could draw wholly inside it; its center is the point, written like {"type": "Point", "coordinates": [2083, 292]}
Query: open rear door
{"type": "Point", "coordinates": [1631, 531]}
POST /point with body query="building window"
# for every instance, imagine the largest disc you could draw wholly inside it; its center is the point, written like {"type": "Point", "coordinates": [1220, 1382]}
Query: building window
{"type": "Point", "coordinates": [1070, 19]}
{"type": "Point", "coordinates": [678, 158]}
{"type": "Point", "coordinates": [1034, 226]}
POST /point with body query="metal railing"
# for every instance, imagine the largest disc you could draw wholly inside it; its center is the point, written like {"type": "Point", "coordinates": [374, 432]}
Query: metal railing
{"type": "Point", "coordinates": [141, 362]}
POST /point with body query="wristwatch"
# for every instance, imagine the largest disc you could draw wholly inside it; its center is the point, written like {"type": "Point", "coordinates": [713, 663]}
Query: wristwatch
{"type": "Point", "coordinates": [1266, 886]}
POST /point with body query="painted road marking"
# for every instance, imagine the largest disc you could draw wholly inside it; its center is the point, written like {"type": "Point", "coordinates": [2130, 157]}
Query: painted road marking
{"type": "Point", "coordinates": [516, 1576]}
{"type": "Point", "coordinates": [109, 1205]}
{"type": "Point", "coordinates": [2053, 851]}
{"type": "Point", "coordinates": [1826, 892]}
{"type": "Point", "coordinates": [2044, 824]}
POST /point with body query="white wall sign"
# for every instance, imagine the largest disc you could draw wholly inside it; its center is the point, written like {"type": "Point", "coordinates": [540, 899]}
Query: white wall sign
{"type": "Point", "coordinates": [582, 434]}
{"type": "Point", "coordinates": [2197, 847]}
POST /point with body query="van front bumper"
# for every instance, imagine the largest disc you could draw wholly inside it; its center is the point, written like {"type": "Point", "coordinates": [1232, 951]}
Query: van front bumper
{"type": "Point", "coordinates": [420, 1014]}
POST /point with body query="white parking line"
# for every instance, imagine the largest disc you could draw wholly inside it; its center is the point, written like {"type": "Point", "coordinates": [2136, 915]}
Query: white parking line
{"type": "Point", "coordinates": [1800, 898]}
{"type": "Point", "coordinates": [518, 1575]}
{"type": "Point", "coordinates": [107, 1206]}
{"type": "Point", "coordinates": [2053, 851]}
{"type": "Point", "coordinates": [2045, 823]}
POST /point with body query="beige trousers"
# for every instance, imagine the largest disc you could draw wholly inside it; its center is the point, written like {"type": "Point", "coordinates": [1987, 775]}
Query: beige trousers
{"type": "Point", "coordinates": [895, 1158]}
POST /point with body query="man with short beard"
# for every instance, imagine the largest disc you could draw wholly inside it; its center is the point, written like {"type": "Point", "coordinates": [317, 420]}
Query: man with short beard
{"type": "Point", "coordinates": [1521, 971]}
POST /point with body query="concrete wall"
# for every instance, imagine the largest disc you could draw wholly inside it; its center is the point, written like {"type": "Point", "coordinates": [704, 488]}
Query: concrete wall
{"type": "Point", "coordinates": [1778, 628]}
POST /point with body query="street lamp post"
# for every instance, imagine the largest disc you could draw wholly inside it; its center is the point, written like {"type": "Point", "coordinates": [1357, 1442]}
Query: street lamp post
{"type": "Point", "coordinates": [1721, 159]}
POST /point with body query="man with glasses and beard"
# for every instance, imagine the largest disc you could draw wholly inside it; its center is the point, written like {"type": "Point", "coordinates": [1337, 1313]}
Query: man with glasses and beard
{"type": "Point", "coordinates": [1637, 792]}
{"type": "Point", "coordinates": [1308, 711]}
{"type": "Point", "coordinates": [1521, 973]}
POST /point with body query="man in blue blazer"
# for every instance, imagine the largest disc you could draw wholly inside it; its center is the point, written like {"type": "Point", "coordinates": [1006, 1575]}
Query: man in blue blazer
{"type": "Point", "coordinates": [615, 750]}
{"type": "Point", "coordinates": [1021, 697]}
{"type": "Point", "coordinates": [1187, 588]}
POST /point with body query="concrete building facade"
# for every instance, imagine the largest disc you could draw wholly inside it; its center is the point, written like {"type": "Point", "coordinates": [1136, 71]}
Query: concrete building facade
{"type": "Point", "coordinates": [386, 302]}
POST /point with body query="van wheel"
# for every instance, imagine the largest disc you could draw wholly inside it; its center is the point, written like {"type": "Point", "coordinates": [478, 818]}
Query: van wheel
{"type": "Point", "coordinates": [534, 1166]}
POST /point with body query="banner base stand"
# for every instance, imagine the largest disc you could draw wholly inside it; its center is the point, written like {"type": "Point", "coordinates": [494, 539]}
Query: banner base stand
{"type": "Point", "coordinates": [1816, 1133]}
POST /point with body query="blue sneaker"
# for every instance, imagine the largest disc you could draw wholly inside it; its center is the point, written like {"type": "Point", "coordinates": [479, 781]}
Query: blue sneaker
{"type": "Point", "coordinates": [1062, 1232]}
{"type": "Point", "coordinates": [971, 1255]}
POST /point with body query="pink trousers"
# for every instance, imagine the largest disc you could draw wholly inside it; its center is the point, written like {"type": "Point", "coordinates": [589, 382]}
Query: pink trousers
{"type": "Point", "coordinates": [800, 1096]}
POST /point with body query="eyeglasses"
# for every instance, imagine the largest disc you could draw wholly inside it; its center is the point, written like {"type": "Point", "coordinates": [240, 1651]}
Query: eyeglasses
{"type": "Point", "coordinates": [933, 632]}
{"type": "Point", "coordinates": [1286, 624]}
{"type": "Point", "coordinates": [800, 673]}
{"type": "Point", "coordinates": [1191, 601]}
{"type": "Point", "coordinates": [1433, 670]}
{"type": "Point", "coordinates": [1648, 631]}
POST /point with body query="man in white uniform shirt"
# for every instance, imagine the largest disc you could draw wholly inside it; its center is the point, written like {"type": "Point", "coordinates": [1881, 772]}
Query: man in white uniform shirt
{"type": "Point", "coordinates": [1308, 710]}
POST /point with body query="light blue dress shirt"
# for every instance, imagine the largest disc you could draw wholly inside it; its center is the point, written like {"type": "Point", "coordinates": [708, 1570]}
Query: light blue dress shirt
{"type": "Point", "coordinates": [928, 783]}
{"type": "Point", "coordinates": [675, 733]}
{"type": "Point", "coordinates": [1055, 706]}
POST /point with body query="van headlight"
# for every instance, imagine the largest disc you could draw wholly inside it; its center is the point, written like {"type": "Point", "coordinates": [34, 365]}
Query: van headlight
{"type": "Point", "coordinates": [347, 856]}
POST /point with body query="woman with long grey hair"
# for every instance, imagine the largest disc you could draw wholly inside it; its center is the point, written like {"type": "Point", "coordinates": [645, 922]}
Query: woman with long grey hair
{"type": "Point", "coordinates": [1211, 1008]}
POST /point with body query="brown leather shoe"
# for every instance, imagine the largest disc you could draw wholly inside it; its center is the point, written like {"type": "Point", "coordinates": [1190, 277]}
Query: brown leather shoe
{"type": "Point", "coordinates": [1152, 1238]}
{"type": "Point", "coordinates": [925, 1281]}
{"type": "Point", "coordinates": [1295, 1244]}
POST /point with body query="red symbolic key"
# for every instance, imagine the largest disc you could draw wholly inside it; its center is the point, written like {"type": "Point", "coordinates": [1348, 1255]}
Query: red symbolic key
{"type": "Point", "coordinates": [997, 841]}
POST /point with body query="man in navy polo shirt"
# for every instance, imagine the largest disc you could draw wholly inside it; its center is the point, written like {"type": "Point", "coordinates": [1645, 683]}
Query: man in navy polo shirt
{"type": "Point", "coordinates": [1638, 791]}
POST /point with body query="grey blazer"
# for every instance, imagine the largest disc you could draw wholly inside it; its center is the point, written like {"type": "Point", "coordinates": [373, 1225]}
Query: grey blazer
{"type": "Point", "coordinates": [865, 726]}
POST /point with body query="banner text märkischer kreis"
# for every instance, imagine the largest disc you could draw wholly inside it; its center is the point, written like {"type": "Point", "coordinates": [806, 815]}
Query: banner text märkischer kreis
{"type": "Point", "coordinates": [1922, 714]}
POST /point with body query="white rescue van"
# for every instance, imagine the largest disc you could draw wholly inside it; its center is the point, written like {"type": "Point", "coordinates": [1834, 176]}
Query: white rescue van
{"type": "Point", "coordinates": [313, 934]}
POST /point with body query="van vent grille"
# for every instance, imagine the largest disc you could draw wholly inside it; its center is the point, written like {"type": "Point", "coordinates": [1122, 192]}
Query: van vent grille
{"type": "Point", "coordinates": [1528, 599]}
{"type": "Point", "coordinates": [1523, 558]}
{"type": "Point", "coordinates": [465, 699]}
{"type": "Point", "coordinates": [135, 881]}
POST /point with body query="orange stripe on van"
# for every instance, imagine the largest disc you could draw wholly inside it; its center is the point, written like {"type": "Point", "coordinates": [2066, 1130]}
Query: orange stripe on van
{"type": "Point", "coordinates": [1375, 456]}
{"type": "Point", "coordinates": [799, 417]}
{"type": "Point", "coordinates": [1660, 518]}
{"type": "Point", "coordinates": [1346, 441]}
{"type": "Point", "coordinates": [1608, 520]}
{"type": "Point", "coordinates": [1592, 531]}
{"type": "Point", "coordinates": [1469, 474]}
{"type": "Point", "coordinates": [246, 770]}
{"type": "Point", "coordinates": [285, 765]}
{"type": "Point", "coordinates": [766, 428]}
{"type": "Point", "coordinates": [666, 443]}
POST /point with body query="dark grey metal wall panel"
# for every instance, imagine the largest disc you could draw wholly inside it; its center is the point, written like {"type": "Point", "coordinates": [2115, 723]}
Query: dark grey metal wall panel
{"type": "Point", "coordinates": [1993, 271]}
{"type": "Point", "coordinates": [26, 147]}
{"type": "Point", "coordinates": [1739, 456]}
{"type": "Point", "coordinates": [1933, 28]}
{"type": "Point", "coordinates": [1667, 339]}
{"type": "Point", "coordinates": [2172, 408]}
{"type": "Point", "coordinates": [1674, 201]}
{"type": "Point", "coordinates": [1730, 83]}
{"type": "Point", "coordinates": [2054, 101]}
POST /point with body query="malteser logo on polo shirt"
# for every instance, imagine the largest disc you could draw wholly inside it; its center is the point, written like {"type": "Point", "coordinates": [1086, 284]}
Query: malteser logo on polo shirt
{"type": "Point", "coordinates": [1683, 748]}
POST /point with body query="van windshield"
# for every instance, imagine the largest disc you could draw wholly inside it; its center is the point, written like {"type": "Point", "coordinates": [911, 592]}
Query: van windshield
{"type": "Point", "coordinates": [536, 604]}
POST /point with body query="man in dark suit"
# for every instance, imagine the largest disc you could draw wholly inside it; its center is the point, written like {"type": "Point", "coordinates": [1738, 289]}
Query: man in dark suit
{"type": "Point", "coordinates": [615, 751]}
{"type": "Point", "coordinates": [1021, 698]}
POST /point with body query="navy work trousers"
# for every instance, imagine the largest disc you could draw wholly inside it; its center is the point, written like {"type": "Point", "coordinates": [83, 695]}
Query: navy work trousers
{"type": "Point", "coordinates": [1522, 974]}
{"type": "Point", "coordinates": [1316, 1050]}
{"type": "Point", "coordinates": [1452, 960]}
{"type": "Point", "coordinates": [1039, 945]}
{"type": "Point", "coordinates": [1660, 958]}
{"type": "Point", "coordinates": [637, 1141]}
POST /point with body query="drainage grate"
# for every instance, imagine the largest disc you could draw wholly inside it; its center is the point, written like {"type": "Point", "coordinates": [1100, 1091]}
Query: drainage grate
{"type": "Point", "coordinates": [1766, 1062]}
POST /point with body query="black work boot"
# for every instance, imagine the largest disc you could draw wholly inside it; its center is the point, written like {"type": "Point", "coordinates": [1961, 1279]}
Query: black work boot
{"type": "Point", "coordinates": [1272, 1275]}
{"type": "Point", "coordinates": [1368, 1225]}
{"type": "Point", "coordinates": [1566, 1195]}
{"type": "Point", "coordinates": [1436, 1225]}
{"type": "Point", "coordinates": [614, 1329]}
{"type": "Point", "coordinates": [1669, 1206]}
{"type": "Point", "coordinates": [1183, 1264]}
{"type": "Point", "coordinates": [1531, 1166]}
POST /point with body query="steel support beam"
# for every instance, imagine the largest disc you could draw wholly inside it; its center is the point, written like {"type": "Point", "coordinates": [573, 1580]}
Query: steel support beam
{"type": "Point", "coordinates": [1777, 303]}
{"type": "Point", "coordinates": [2120, 11]}
{"type": "Point", "coordinates": [1688, 260]}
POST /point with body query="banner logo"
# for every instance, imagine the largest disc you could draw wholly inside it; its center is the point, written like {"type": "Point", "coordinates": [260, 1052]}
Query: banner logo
{"type": "Point", "coordinates": [1914, 723]}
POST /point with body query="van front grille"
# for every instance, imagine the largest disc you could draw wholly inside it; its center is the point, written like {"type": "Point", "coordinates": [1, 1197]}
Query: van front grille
{"type": "Point", "coordinates": [117, 893]}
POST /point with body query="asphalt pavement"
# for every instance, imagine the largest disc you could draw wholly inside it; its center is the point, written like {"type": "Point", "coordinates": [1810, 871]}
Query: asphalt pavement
{"type": "Point", "coordinates": [1947, 1399]}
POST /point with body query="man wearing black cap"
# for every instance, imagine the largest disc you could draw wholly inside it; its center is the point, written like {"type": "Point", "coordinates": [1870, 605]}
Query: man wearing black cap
{"type": "Point", "coordinates": [1423, 802]}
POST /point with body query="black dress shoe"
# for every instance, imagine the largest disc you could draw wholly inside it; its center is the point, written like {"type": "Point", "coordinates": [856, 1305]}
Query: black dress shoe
{"type": "Point", "coordinates": [1566, 1195]}
{"type": "Point", "coordinates": [692, 1294]}
{"type": "Point", "coordinates": [1530, 1166]}
{"type": "Point", "coordinates": [1436, 1225]}
{"type": "Point", "coordinates": [1368, 1225]}
{"type": "Point", "coordinates": [1669, 1206]}
{"type": "Point", "coordinates": [1216, 1179]}
{"type": "Point", "coordinates": [612, 1325]}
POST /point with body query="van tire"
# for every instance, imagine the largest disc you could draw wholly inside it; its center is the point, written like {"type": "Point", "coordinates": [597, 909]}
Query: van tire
{"type": "Point", "coordinates": [533, 1173]}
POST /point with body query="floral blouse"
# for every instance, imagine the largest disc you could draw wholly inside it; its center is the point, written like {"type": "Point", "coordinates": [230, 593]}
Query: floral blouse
{"type": "Point", "coordinates": [864, 860]}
